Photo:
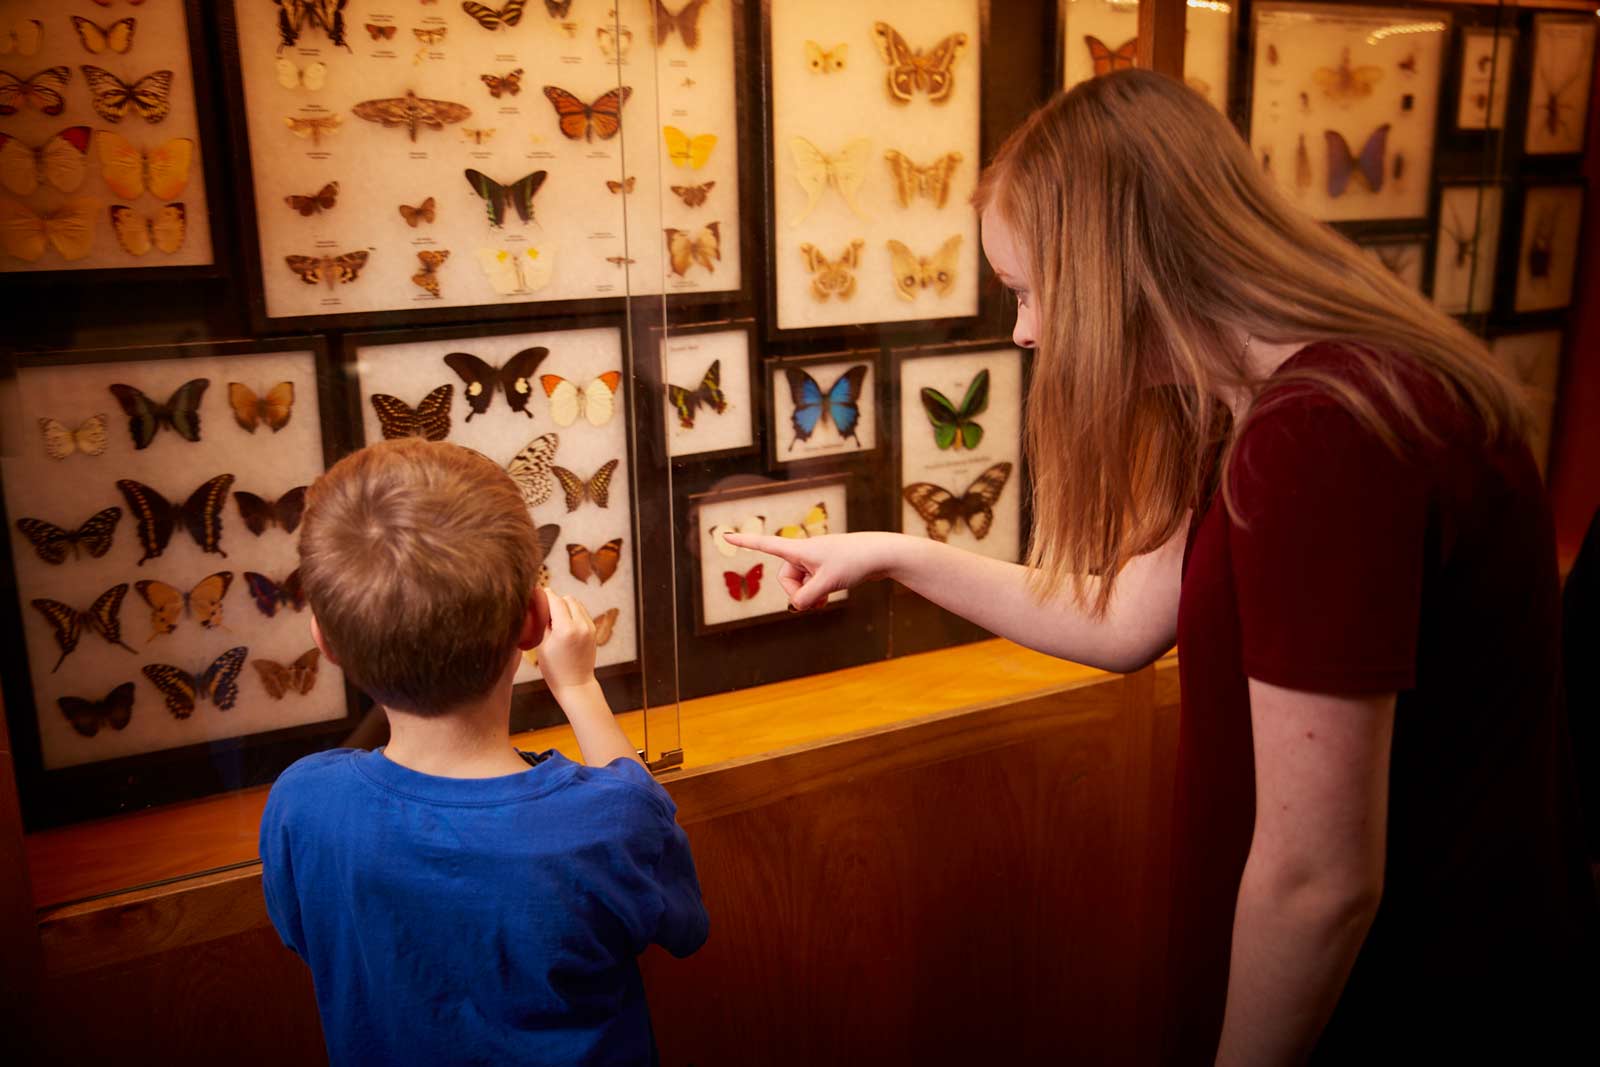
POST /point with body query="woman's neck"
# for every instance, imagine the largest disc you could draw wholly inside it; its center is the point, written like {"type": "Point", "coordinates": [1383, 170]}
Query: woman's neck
{"type": "Point", "coordinates": [1262, 359]}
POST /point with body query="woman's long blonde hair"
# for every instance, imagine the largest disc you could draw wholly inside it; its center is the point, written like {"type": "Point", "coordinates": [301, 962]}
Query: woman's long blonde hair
{"type": "Point", "coordinates": [1153, 241]}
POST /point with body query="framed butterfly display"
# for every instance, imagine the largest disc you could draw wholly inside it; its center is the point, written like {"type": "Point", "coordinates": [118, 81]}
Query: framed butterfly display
{"type": "Point", "coordinates": [1484, 80]}
{"type": "Point", "coordinates": [1345, 107]}
{"type": "Point", "coordinates": [141, 559]}
{"type": "Point", "coordinates": [1099, 38]}
{"type": "Point", "coordinates": [554, 409]}
{"type": "Point", "coordinates": [1560, 84]}
{"type": "Point", "coordinates": [1547, 258]}
{"type": "Point", "coordinates": [821, 407]}
{"type": "Point", "coordinates": [960, 421]}
{"type": "Point", "coordinates": [1535, 359]}
{"type": "Point", "coordinates": [708, 404]}
{"type": "Point", "coordinates": [1466, 248]}
{"type": "Point", "coordinates": [102, 165]}
{"type": "Point", "coordinates": [875, 143]}
{"type": "Point", "coordinates": [736, 586]}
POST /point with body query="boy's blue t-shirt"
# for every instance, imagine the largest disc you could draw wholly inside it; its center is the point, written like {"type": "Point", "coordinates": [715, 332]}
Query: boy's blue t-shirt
{"type": "Point", "coordinates": [492, 920]}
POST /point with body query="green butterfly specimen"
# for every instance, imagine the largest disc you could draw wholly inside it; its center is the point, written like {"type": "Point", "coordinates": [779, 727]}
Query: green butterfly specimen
{"type": "Point", "coordinates": [952, 425]}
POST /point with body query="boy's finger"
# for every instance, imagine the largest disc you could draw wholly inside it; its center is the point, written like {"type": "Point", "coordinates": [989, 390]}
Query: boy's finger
{"type": "Point", "coordinates": [560, 613]}
{"type": "Point", "coordinates": [539, 603]}
{"type": "Point", "coordinates": [579, 613]}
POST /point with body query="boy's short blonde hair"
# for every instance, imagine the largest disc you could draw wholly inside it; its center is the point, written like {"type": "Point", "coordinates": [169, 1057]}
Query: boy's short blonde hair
{"type": "Point", "coordinates": [418, 559]}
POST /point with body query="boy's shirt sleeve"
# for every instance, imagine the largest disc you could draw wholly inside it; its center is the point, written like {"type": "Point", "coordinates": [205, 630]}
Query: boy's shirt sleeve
{"type": "Point", "coordinates": [676, 917]}
{"type": "Point", "coordinates": [277, 876]}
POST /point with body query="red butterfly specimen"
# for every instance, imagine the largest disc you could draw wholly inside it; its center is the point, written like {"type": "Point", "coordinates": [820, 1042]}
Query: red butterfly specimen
{"type": "Point", "coordinates": [744, 586]}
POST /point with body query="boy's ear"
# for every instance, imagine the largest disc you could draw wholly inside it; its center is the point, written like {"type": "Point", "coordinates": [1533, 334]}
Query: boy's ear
{"type": "Point", "coordinates": [535, 622]}
{"type": "Point", "coordinates": [322, 642]}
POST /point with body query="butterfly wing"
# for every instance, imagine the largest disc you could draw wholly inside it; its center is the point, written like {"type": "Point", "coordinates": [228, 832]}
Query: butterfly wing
{"type": "Point", "coordinates": [973, 404]}
{"type": "Point", "coordinates": [565, 399]}
{"type": "Point", "coordinates": [605, 114]}
{"type": "Point", "coordinates": [166, 606]}
{"type": "Point", "coordinates": [605, 624]}
{"type": "Point", "coordinates": [202, 514]}
{"type": "Point", "coordinates": [103, 615]}
{"type": "Point", "coordinates": [516, 377]}
{"type": "Point", "coordinates": [900, 59]}
{"type": "Point", "coordinates": [940, 271]}
{"type": "Point", "coordinates": [936, 506]}
{"type": "Point", "coordinates": [807, 397]}
{"type": "Point", "coordinates": [811, 171]}
{"type": "Point", "coordinates": [87, 716]}
{"type": "Point", "coordinates": [572, 487]}
{"type": "Point", "coordinates": [599, 485]}
{"type": "Point", "coordinates": [521, 193]}
{"type": "Point", "coordinates": [744, 586]}
{"type": "Point", "coordinates": [205, 599]}
{"type": "Point", "coordinates": [152, 513]}
{"type": "Point", "coordinates": [933, 71]}
{"type": "Point", "coordinates": [530, 469]}
{"type": "Point", "coordinates": [1371, 159]}
{"type": "Point", "coordinates": [175, 684]}
{"type": "Point", "coordinates": [183, 408]}
{"type": "Point", "coordinates": [479, 378]}
{"type": "Point", "coordinates": [977, 503]}
{"type": "Point", "coordinates": [599, 397]}
{"type": "Point", "coordinates": [433, 414]}
{"type": "Point", "coordinates": [686, 151]}
{"type": "Point", "coordinates": [42, 91]}
{"type": "Point", "coordinates": [220, 681]}
{"type": "Point", "coordinates": [942, 413]}
{"type": "Point", "coordinates": [495, 195]}
{"type": "Point", "coordinates": [572, 114]}
{"type": "Point", "coordinates": [842, 401]}
{"type": "Point", "coordinates": [605, 559]}
{"type": "Point", "coordinates": [1340, 162]}
{"type": "Point", "coordinates": [66, 624]}
{"type": "Point", "coordinates": [274, 677]}
{"type": "Point", "coordinates": [266, 593]}
{"type": "Point", "coordinates": [907, 270]}
{"type": "Point", "coordinates": [706, 248]}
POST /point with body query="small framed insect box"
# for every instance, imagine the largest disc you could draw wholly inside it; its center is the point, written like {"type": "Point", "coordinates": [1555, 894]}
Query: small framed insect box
{"type": "Point", "coordinates": [821, 407]}
{"type": "Point", "coordinates": [1560, 78]}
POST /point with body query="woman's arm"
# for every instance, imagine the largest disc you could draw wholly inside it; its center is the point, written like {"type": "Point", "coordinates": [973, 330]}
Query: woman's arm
{"type": "Point", "coordinates": [1140, 625]}
{"type": "Point", "coordinates": [1314, 877]}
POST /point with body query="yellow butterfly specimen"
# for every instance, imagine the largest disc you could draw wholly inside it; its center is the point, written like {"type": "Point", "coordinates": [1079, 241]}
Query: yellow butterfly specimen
{"type": "Point", "coordinates": [167, 604]}
{"type": "Point", "coordinates": [138, 234]}
{"type": "Point", "coordinates": [298, 677]}
{"type": "Point", "coordinates": [931, 181]}
{"type": "Point", "coordinates": [90, 437]}
{"type": "Point", "coordinates": [833, 277]}
{"type": "Point", "coordinates": [21, 38]}
{"type": "Point", "coordinates": [313, 126]}
{"type": "Point", "coordinates": [311, 78]}
{"type": "Point", "coordinates": [1345, 82]}
{"type": "Point", "coordinates": [686, 151]}
{"type": "Point", "coordinates": [815, 524]}
{"type": "Point", "coordinates": [334, 270]}
{"type": "Point", "coordinates": [826, 60]}
{"type": "Point", "coordinates": [428, 275]}
{"type": "Point", "coordinates": [704, 248]}
{"type": "Point", "coordinates": [515, 272]}
{"type": "Point", "coordinates": [477, 135]}
{"type": "Point", "coordinates": [68, 227]}
{"type": "Point", "coordinates": [815, 170]}
{"type": "Point", "coordinates": [98, 40]}
{"type": "Point", "coordinates": [423, 212]}
{"type": "Point", "coordinates": [912, 70]}
{"type": "Point", "coordinates": [113, 99]}
{"type": "Point", "coordinates": [913, 272]}
{"type": "Point", "coordinates": [129, 171]}
{"type": "Point", "coordinates": [59, 162]}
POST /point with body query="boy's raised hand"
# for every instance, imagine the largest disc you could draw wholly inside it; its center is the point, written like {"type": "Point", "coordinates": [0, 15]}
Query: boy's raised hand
{"type": "Point", "coordinates": [566, 655]}
{"type": "Point", "coordinates": [814, 568]}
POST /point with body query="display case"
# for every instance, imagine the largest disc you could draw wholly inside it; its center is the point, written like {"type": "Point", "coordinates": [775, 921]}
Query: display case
{"type": "Point", "coordinates": [728, 250]}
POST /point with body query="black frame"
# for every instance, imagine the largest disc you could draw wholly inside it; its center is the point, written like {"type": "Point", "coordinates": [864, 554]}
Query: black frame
{"type": "Point", "coordinates": [1474, 317]}
{"type": "Point", "coordinates": [1514, 255]}
{"type": "Point", "coordinates": [660, 335]}
{"type": "Point", "coordinates": [1531, 65]}
{"type": "Point", "coordinates": [874, 394]}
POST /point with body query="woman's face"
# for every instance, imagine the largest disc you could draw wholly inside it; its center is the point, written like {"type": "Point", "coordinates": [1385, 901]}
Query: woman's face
{"type": "Point", "coordinates": [1000, 246]}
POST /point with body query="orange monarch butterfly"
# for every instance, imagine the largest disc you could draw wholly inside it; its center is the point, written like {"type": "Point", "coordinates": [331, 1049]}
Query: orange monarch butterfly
{"type": "Point", "coordinates": [580, 121]}
{"type": "Point", "coordinates": [1107, 60]}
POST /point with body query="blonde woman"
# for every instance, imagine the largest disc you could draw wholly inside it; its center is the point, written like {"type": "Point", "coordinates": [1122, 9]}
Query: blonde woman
{"type": "Point", "coordinates": [1249, 441]}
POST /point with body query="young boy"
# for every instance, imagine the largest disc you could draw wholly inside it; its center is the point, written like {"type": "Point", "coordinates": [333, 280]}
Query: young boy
{"type": "Point", "coordinates": [459, 901]}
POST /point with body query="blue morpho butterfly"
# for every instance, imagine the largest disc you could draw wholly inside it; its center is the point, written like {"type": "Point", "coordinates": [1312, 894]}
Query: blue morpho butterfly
{"type": "Point", "coordinates": [1342, 162]}
{"type": "Point", "coordinates": [838, 405]}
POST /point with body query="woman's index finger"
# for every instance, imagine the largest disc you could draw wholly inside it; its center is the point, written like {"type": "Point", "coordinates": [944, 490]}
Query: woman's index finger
{"type": "Point", "coordinates": [785, 548]}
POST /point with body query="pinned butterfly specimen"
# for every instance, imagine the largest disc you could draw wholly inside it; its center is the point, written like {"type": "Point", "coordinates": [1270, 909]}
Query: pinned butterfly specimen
{"type": "Point", "coordinates": [324, 199]}
{"type": "Point", "coordinates": [314, 127]}
{"type": "Point", "coordinates": [530, 469]}
{"type": "Point", "coordinates": [605, 624]}
{"type": "Point", "coordinates": [596, 488]}
{"type": "Point", "coordinates": [430, 35]}
{"type": "Point", "coordinates": [259, 513]}
{"type": "Point", "coordinates": [952, 424]}
{"type": "Point", "coordinates": [942, 511]}
{"type": "Point", "coordinates": [815, 170]}
{"type": "Point", "coordinates": [623, 187]}
{"type": "Point", "coordinates": [67, 227]}
{"type": "Point", "coordinates": [833, 277]}
{"type": "Point", "coordinates": [1342, 163]}
{"type": "Point", "coordinates": [750, 524]}
{"type": "Point", "coordinates": [686, 151]}
{"type": "Point", "coordinates": [557, 9]}
{"type": "Point", "coordinates": [503, 17]}
{"type": "Point", "coordinates": [547, 535]}
{"type": "Point", "coordinates": [295, 16]}
{"type": "Point", "coordinates": [826, 60]}
{"type": "Point", "coordinates": [513, 272]}
{"type": "Point", "coordinates": [703, 247]}
{"type": "Point", "coordinates": [429, 261]}
{"type": "Point", "coordinates": [201, 515]}
{"type": "Point", "coordinates": [931, 181]}
{"type": "Point", "coordinates": [88, 716]}
{"type": "Point", "coordinates": [1344, 82]}
{"type": "Point", "coordinates": [477, 135]}
{"type": "Point", "coordinates": [744, 586]}
{"type": "Point", "coordinates": [503, 84]}
{"type": "Point", "coordinates": [381, 33]}
{"type": "Point", "coordinates": [429, 419]}
{"type": "Point", "coordinates": [601, 563]}
{"type": "Point", "coordinates": [310, 78]}
{"type": "Point", "coordinates": [1106, 60]}
{"type": "Point", "coordinates": [298, 677]}
{"type": "Point", "coordinates": [614, 43]}
{"type": "Point", "coordinates": [180, 414]}
{"type": "Point", "coordinates": [693, 195]}
{"type": "Point", "coordinates": [913, 272]}
{"type": "Point", "coordinates": [709, 393]}
{"type": "Point", "coordinates": [51, 542]}
{"type": "Point", "coordinates": [60, 441]}
{"type": "Point", "coordinates": [912, 71]}
{"type": "Point", "coordinates": [68, 622]}
{"type": "Point", "coordinates": [98, 40]}
{"type": "Point", "coordinates": [423, 212]}
{"type": "Point", "coordinates": [218, 683]}
{"type": "Point", "coordinates": [839, 404]}
{"type": "Point", "coordinates": [815, 523]}
{"type": "Point", "coordinates": [137, 234]}
{"type": "Point", "coordinates": [40, 91]}
{"type": "Point", "coordinates": [514, 379]}
{"type": "Point", "coordinates": [334, 270]}
{"type": "Point", "coordinates": [686, 22]}
{"type": "Point", "coordinates": [21, 38]}
{"type": "Point", "coordinates": [129, 171]}
{"type": "Point", "coordinates": [272, 407]}
{"type": "Point", "coordinates": [59, 162]}
{"type": "Point", "coordinates": [113, 99]}
{"type": "Point", "coordinates": [517, 195]}
{"type": "Point", "coordinates": [580, 121]}
{"type": "Point", "coordinates": [270, 595]}
{"type": "Point", "coordinates": [595, 400]}
{"type": "Point", "coordinates": [411, 112]}
{"type": "Point", "coordinates": [168, 604]}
